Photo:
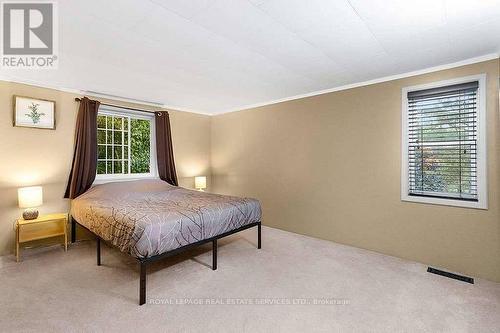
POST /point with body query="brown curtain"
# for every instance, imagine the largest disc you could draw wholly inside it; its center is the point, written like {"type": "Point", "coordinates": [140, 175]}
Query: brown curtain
{"type": "Point", "coordinates": [84, 167]}
{"type": "Point", "coordinates": [164, 151]}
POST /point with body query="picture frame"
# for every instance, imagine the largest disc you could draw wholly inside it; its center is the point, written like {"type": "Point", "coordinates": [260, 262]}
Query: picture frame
{"type": "Point", "coordinates": [34, 112]}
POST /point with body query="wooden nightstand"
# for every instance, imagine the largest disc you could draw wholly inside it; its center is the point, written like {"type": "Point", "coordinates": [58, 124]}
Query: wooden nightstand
{"type": "Point", "coordinates": [44, 226]}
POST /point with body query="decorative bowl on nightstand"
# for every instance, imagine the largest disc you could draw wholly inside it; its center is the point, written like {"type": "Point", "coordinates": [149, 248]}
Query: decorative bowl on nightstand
{"type": "Point", "coordinates": [30, 214]}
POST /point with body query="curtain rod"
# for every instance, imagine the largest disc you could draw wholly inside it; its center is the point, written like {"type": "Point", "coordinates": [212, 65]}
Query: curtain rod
{"type": "Point", "coordinates": [77, 99]}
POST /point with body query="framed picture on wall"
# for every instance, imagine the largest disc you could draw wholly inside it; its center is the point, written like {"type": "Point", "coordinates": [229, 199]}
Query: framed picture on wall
{"type": "Point", "coordinates": [36, 113]}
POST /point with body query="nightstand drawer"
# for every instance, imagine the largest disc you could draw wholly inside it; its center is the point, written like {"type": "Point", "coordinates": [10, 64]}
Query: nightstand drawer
{"type": "Point", "coordinates": [36, 231]}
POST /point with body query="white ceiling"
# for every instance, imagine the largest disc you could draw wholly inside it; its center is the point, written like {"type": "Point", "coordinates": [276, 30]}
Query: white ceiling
{"type": "Point", "coordinates": [214, 56]}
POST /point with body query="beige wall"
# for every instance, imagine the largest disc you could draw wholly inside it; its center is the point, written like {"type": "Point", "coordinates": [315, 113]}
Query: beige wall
{"type": "Point", "coordinates": [43, 157]}
{"type": "Point", "coordinates": [329, 166]}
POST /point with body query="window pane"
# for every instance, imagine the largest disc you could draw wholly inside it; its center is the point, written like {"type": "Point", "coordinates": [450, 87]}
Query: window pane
{"type": "Point", "coordinates": [123, 144]}
{"type": "Point", "coordinates": [442, 134]}
{"type": "Point", "coordinates": [118, 123]}
{"type": "Point", "coordinates": [118, 137]}
{"type": "Point", "coordinates": [140, 146]}
{"type": "Point", "coordinates": [438, 170]}
{"type": "Point", "coordinates": [117, 166]}
{"type": "Point", "coordinates": [101, 152]}
{"type": "Point", "coordinates": [117, 155]}
{"type": "Point", "coordinates": [101, 121]}
{"type": "Point", "coordinates": [101, 167]}
{"type": "Point", "coordinates": [109, 122]}
{"type": "Point", "coordinates": [110, 137]}
{"type": "Point", "coordinates": [101, 136]}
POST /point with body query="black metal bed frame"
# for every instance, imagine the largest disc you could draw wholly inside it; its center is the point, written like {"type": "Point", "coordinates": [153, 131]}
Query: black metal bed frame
{"type": "Point", "coordinates": [143, 262]}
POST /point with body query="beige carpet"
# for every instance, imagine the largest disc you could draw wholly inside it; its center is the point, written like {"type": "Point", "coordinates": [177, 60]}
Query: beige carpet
{"type": "Point", "coordinates": [275, 288]}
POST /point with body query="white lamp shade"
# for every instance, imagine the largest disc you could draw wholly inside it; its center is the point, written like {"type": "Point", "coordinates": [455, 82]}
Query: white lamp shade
{"type": "Point", "coordinates": [200, 182]}
{"type": "Point", "coordinates": [30, 197]}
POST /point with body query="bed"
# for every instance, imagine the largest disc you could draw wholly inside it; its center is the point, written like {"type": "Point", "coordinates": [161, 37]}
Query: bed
{"type": "Point", "coordinates": [151, 219]}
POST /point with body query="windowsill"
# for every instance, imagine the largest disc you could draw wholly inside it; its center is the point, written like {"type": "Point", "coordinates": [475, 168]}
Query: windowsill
{"type": "Point", "coordinates": [120, 178]}
{"type": "Point", "coordinates": [445, 202]}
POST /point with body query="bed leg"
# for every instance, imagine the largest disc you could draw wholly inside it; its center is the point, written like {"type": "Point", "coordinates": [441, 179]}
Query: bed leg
{"type": "Point", "coordinates": [98, 251]}
{"type": "Point", "coordinates": [259, 241]}
{"type": "Point", "coordinates": [73, 230]}
{"type": "Point", "coordinates": [214, 254]}
{"type": "Point", "coordinates": [142, 284]}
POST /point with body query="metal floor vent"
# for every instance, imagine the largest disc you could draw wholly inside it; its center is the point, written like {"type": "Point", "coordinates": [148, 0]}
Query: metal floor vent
{"type": "Point", "coordinates": [451, 275]}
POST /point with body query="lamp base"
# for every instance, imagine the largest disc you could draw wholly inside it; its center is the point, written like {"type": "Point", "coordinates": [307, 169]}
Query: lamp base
{"type": "Point", "coordinates": [30, 214]}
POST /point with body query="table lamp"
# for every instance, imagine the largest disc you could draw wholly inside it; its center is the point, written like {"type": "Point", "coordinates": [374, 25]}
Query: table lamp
{"type": "Point", "coordinates": [200, 183]}
{"type": "Point", "coordinates": [29, 198]}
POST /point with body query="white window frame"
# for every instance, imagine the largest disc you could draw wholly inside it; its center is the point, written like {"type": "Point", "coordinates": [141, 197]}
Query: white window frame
{"type": "Point", "coordinates": [482, 183]}
{"type": "Point", "coordinates": [106, 110]}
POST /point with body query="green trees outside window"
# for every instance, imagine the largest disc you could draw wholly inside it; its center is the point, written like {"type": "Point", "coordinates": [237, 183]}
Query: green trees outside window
{"type": "Point", "coordinates": [123, 145]}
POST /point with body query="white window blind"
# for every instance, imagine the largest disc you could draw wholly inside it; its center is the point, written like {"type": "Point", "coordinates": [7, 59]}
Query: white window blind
{"type": "Point", "coordinates": [442, 142]}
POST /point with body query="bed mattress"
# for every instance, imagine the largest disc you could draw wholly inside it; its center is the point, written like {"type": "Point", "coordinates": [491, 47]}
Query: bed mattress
{"type": "Point", "coordinates": [145, 218]}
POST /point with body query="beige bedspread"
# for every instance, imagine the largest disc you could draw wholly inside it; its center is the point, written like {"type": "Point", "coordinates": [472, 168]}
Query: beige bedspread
{"type": "Point", "coordinates": [149, 217]}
